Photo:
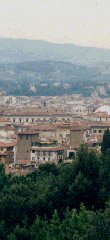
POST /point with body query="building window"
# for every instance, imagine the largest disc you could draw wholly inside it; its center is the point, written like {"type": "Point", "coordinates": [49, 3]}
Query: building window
{"type": "Point", "coordinates": [38, 153]}
{"type": "Point", "coordinates": [13, 119]}
{"type": "Point", "coordinates": [21, 136]}
{"type": "Point", "coordinates": [32, 119]}
{"type": "Point", "coordinates": [44, 158]}
{"type": "Point", "coordinates": [44, 153]}
{"type": "Point", "coordinates": [100, 131]}
{"type": "Point", "coordinates": [26, 119]}
{"type": "Point", "coordinates": [49, 153]}
{"type": "Point", "coordinates": [33, 143]}
{"type": "Point", "coordinates": [60, 152]}
{"type": "Point", "coordinates": [94, 131]}
{"type": "Point", "coordinates": [19, 119]}
{"type": "Point", "coordinates": [33, 158]}
{"type": "Point", "coordinates": [33, 151]}
{"type": "Point", "coordinates": [26, 136]}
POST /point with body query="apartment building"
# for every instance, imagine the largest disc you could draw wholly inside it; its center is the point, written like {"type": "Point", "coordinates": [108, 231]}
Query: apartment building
{"type": "Point", "coordinates": [46, 150]}
{"type": "Point", "coordinates": [32, 117]}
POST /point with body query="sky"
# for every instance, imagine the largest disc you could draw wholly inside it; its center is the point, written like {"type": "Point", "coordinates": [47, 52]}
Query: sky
{"type": "Point", "coordinates": [81, 22]}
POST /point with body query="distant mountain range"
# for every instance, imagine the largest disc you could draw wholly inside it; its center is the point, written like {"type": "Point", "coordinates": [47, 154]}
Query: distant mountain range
{"type": "Point", "coordinates": [31, 67]}
{"type": "Point", "coordinates": [22, 50]}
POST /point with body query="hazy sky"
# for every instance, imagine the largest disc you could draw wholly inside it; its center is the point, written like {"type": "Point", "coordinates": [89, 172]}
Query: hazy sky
{"type": "Point", "coordinates": [82, 22]}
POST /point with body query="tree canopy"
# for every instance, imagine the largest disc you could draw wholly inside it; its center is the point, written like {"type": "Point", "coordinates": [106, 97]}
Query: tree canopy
{"type": "Point", "coordinates": [106, 142]}
{"type": "Point", "coordinates": [67, 201]}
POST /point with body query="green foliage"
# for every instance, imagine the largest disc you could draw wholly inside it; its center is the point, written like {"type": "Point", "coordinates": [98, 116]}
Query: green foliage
{"type": "Point", "coordinates": [42, 75]}
{"type": "Point", "coordinates": [106, 142]}
{"type": "Point", "coordinates": [3, 177]}
{"type": "Point", "coordinates": [58, 202]}
{"type": "Point", "coordinates": [48, 168]}
{"type": "Point", "coordinates": [82, 225]}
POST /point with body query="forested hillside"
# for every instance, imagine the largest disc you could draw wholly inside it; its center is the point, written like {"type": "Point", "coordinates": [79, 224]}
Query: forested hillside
{"type": "Point", "coordinates": [50, 78]}
{"type": "Point", "coordinates": [62, 202]}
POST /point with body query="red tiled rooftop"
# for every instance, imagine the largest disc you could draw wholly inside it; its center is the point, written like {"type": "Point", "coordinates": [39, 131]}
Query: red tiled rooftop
{"type": "Point", "coordinates": [23, 162]}
{"type": "Point", "coordinates": [28, 132]}
{"type": "Point", "coordinates": [3, 153]}
{"type": "Point", "coordinates": [44, 127]}
{"type": "Point", "coordinates": [99, 114]}
{"type": "Point", "coordinates": [3, 120]}
{"type": "Point", "coordinates": [8, 144]}
{"type": "Point", "coordinates": [9, 127]}
{"type": "Point", "coordinates": [48, 113]}
{"type": "Point", "coordinates": [99, 124]}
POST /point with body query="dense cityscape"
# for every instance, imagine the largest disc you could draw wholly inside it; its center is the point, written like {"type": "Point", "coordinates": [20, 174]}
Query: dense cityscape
{"type": "Point", "coordinates": [55, 120]}
{"type": "Point", "coordinates": [35, 130]}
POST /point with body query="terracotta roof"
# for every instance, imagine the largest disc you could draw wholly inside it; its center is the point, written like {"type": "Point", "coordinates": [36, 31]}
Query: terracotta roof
{"type": "Point", "coordinates": [99, 124]}
{"type": "Point", "coordinates": [76, 125]}
{"type": "Point", "coordinates": [48, 113]}
{"type": "Point", "coordinates": [81, 127]}
{"type": "Point", "coordinates": [88, 124]}
{"type": "Point", "coordinates": [44, 127]}
{"type": "Point", "coordinates": [3, 120]}
{"type": "Point", "coordinates": [9, 127]}
{"type": "Point", "coordinates": [23, 162]}
{"type": "Point", "coordinates": [8, 144]}
{"type": "Point", "coordinates": [28, 132]}
{"type": "Point", "coordinates": [99, 114]}
{"type": "Point", "coordinates": [3, 153]}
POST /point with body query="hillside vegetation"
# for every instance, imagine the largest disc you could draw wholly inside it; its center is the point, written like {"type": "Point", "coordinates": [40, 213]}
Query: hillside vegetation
{"type": "Point", "coordinates": [50, 78]}
{"type": "Point", "coordinates": [58, 202]}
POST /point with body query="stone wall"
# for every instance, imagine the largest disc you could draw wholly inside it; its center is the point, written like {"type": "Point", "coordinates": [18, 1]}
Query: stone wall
{"type": "Point", "coordinates": [76, 137]}
{"type": "Point", "coordinates": [24, 146]}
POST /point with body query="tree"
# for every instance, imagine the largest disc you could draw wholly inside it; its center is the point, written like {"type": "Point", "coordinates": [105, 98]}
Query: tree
{"type": "Point", "coordinates": [105, 148]}
{"type": "Point", "coordinates": [39, 230]}
{"type": "Point", "coordinates": [85, 185]}
{"type": "Point", "coordinates": [3, 177]}
{"type": "Point", "coordinates": [55, 227]}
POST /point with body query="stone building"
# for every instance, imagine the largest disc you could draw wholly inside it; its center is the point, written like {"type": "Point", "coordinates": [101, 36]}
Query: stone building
{"type": "Point", "coordinates": [76, 136]}
{"type": "Point", "coordinates": [24, 144]}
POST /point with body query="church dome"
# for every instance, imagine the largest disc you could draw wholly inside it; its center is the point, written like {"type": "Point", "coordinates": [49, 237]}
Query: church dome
{"type": "Point", "coordinates": [104, 109]}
